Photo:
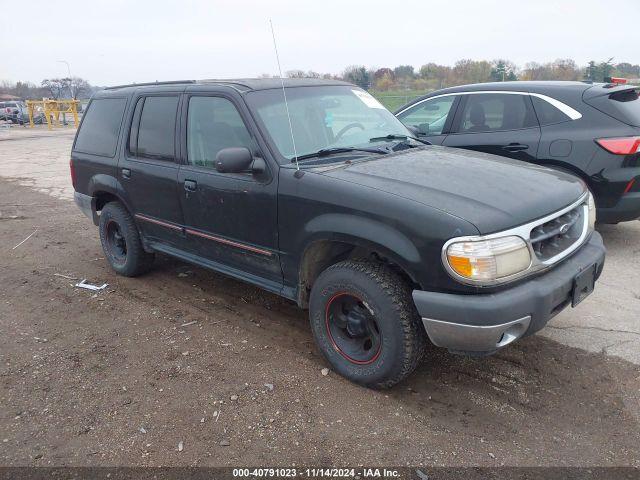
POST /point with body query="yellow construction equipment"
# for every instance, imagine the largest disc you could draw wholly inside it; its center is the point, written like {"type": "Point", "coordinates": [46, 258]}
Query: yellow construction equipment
{"type": "Point", "coordinates": [52, 110]}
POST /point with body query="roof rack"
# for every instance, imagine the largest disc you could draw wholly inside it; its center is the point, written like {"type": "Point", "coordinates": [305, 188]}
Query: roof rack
{"type": "Point", "coordinates": [230, 81]}
{"type": "Point", "coordinates": [171, 82]}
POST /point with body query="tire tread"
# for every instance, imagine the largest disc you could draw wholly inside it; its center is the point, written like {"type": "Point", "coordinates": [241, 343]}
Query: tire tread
{"type": "Point", "coordinates": [140, 260]}
{"type": "Point", "coordinates": [399, 291]}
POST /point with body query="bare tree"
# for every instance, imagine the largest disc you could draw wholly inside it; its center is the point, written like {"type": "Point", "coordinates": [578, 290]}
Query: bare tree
{"type": "Point", "coordinates": [561, 69]}
{"type": "Point", "coordinates": [74, 87]}
{"type": "Point", "coordinates": [471, 71]}
{"type": "Point", "coordinates": [295, 74]}
{"type": "Point", "coordinates": [357, 74]}
{"type": "Point", "coordinates": [303, 74]}
{"type": "Point", "coordinates": [79, 87]}
{"type": "Point", "coordinates": [55, 86]}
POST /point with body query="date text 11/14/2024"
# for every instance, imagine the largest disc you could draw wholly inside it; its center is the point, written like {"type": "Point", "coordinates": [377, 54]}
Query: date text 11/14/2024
{"type": "Point", "coordinates": [316, 472]}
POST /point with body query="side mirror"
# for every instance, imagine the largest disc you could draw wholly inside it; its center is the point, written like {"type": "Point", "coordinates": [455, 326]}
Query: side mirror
{"type": "Point", "coordinates": [417, 132]}
{"type": "Point", "coordinates": [259, 166]}
{"type": "Point", "coordinates": [233, 160]}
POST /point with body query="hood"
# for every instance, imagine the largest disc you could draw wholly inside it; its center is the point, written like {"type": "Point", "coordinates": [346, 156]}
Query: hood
{"type": "Point", "coordinates": [494, 193]}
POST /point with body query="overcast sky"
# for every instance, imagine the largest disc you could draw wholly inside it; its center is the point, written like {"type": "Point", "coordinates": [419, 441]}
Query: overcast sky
{"type": "Point", "coordinates": [116, 41]}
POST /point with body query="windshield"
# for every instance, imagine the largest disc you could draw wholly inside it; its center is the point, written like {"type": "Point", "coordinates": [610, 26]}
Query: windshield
{"type": "Point", "coordinates": [323, 117]}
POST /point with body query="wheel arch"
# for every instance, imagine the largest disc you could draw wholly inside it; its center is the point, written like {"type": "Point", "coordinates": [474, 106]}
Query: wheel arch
{"type": "Point", "coordinates": [104, 189]}
{"type": "Point", "coordinates": [345, 240]}
{"type": "Point", "coordinates": [566, 167]}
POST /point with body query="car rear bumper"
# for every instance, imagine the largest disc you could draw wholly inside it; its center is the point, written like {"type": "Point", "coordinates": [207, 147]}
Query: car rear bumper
{"type": "Point", "coordinates": [86, 204]}
{"type": "Point", "coordinates": [627, 208]}
{"type": "Point", "coordinates": [484, 323]}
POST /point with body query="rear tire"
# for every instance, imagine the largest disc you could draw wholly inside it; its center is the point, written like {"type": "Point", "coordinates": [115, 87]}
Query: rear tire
{"type": "Point", "coordinates": [365, 323]}
{"type": "Point", "coordinates": [121, 241]}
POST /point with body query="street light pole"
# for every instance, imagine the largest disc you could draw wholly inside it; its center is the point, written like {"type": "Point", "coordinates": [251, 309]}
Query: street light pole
{"type": "Point", "coordinates": [69, 73]}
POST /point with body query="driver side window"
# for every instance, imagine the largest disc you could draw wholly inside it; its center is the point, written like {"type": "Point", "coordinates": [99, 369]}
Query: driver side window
{"type": "Point", "coordinates": [213, 123]}
{"type": "Point", "coordinates": [429, 116]}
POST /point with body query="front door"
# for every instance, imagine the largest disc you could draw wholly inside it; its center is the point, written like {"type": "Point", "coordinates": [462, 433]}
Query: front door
{"type": "Point", "coordinates": [500, 123]}
{"type": "Point", "coordinates": [230, 218]}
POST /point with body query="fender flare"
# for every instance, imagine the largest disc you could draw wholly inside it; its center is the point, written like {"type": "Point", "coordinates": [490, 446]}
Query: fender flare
{"type": "Point", "coordinates": [363, 232]}
{"type": "Point", "coordinates": [103, 183]}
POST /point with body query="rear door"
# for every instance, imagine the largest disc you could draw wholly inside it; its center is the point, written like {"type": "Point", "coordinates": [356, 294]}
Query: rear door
{"type": "Point", "coordinates": [500, 123]}
{"type": "Point", "coordinates": [431, 118]}
{"type": "Point", "coordinates": [230, 218]}
{"type": "Point", "coordinates": [148, 169]}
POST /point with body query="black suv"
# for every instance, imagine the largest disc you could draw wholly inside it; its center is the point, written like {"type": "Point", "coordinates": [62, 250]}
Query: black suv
{"type": "Point", "coordinates": [590, 130]}
{"type": "Point", "coordinates": [327, 199]}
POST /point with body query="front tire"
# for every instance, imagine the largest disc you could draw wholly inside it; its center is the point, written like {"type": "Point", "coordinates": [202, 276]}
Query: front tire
{"type": "Point", "coordinates": [365, 323]}
{"type": "Point", "coordinates": [121, 241]}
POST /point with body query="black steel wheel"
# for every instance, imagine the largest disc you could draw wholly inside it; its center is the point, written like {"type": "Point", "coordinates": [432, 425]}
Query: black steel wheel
{"type": "Point", "coordinates": [116, 242]}
{"type": "Point", "coordinates": [352, 329]}
{"type": "Point", "coordinates": [365, 323]}
{"type": "Point", "coordinates": [121, 241]}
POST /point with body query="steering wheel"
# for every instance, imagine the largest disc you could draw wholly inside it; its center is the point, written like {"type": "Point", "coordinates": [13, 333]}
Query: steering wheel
{"type": "Point", "coordinates": [347, 128]}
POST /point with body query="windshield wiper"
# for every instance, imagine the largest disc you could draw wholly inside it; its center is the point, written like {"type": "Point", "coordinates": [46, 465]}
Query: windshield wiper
{"type": "Point", "coordinates": [397, 136]}
{"type": "Point", "coordinates": [323, 152]}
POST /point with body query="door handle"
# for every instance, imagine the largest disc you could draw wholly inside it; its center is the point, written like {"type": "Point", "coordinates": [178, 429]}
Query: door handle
{"type": "Point", "coordinates": [126, 173]}
{"type": "Point", "coordinates": [190, 185]}
{"type": "Point", "coordinates": [515, 147]}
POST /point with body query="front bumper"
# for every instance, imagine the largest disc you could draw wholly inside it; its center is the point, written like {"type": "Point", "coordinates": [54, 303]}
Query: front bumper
{"type": "Point", "coordinates": [483, 323]}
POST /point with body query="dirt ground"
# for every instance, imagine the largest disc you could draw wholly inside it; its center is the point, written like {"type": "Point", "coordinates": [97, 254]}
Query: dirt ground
{"type": "Point", "coordinates": [184, 357]}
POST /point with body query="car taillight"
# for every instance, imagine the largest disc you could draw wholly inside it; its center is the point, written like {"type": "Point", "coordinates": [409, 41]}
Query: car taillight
{"type": "Point", "coordinates": [620, 146]}
{"type": "Point", "coordinates": [73, 173]}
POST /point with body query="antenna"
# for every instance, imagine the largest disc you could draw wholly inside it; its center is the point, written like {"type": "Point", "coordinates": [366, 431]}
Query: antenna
{"type": "Point", "coordinates": [293, 141]}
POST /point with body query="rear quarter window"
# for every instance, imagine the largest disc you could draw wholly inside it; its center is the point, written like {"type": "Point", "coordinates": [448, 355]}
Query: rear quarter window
{"type": "Point", "coordinates": [100, 127]}
{"type": "Point", "coordinates": [548, 114]}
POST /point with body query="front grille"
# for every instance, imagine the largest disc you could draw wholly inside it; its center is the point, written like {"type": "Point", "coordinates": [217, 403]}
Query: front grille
{"type": "Point", "coordinates": [554, 237]}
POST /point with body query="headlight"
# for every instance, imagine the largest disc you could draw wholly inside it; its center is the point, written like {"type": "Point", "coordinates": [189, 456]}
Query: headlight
{"type": "Point", "coordinates": [486, 261]}
{"type": "Point", "coordinates": [592, 211]}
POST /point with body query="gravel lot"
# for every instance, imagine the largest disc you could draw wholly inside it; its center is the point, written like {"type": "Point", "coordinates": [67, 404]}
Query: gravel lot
{"type": "Point", "coordinates": [186, 356]}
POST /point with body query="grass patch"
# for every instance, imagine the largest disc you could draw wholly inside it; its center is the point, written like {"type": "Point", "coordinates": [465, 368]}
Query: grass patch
{"type": "Point", "coordinates": [394, 99]}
